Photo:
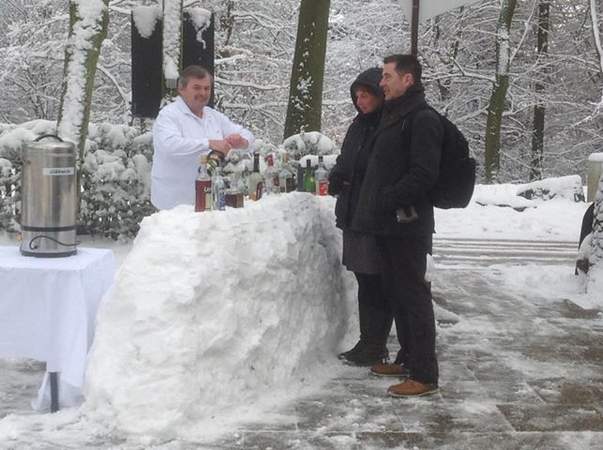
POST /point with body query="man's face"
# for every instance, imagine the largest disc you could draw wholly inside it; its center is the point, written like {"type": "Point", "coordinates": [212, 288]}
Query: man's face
{"type": "Point", "coordinates": [394, 84]}
{"type": "Point", "coordinates": [196, 93]}
{"type": "Point", "coordinates": [366, 101]}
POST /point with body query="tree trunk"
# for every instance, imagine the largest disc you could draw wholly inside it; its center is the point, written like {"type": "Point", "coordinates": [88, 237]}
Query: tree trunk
{"type": "Point", "coordinates": [544, 9]}
{"type": "Point", "coordinates": [87, 30]}
{"type": "Point", "coordinates": [304, 108]}
{"type": "Point", "coordinates": [595, 13]}
{"type": "Point", "coordinates": [172, 45]}
{"type": "Point", "coordinates": [499, 91]}
{"type": "Point", "coordinates": [452, 50]}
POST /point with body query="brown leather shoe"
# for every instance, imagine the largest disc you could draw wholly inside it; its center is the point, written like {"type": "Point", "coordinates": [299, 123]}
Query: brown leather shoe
{"type": "Point", "coordinates": [389, 370]}
{"type": "Point", "coordinates": [411, 388]}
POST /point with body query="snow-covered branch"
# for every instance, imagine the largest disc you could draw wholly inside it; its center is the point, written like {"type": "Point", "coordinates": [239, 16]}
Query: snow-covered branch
{"type": "Point", "coordinates": [125, 96]}
{"type": "Point", "coordinates": [255, 86]}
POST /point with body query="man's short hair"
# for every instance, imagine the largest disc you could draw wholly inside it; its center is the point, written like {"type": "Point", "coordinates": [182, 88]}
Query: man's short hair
{"type": "Point", "coordinates": [406, 64]}
{"type": "Point", "coordinates": [194, 71]}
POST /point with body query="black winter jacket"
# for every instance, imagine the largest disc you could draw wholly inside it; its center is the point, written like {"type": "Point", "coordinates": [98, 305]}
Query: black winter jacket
{"type": "Point", "coordinates": [401, 175]}
{"type": "Point", "coordinates": [346, 177]}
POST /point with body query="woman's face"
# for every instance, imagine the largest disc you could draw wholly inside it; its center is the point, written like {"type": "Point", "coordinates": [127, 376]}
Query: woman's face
{"type": "Point", "coordinates": [366, 101]}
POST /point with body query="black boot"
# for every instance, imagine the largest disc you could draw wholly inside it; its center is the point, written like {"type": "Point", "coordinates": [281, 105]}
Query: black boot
{"type": "Point", "coordinates": [358, 347]}
{"type": "Point", "coordinates": [368, 355]}
{"type": "Point", "coordinates": [375, 322]}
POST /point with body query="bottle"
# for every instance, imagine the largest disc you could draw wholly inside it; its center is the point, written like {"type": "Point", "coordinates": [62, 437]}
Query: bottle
{"type": "Point", "coordinates": [256, 182]}
{"type": "Point", "coordinates": [322, 178]}
{"type": "Point", "coordinates": [243, 185]}
{"type": "Point", "coordinates": [300, 177]}
{"type": "Point", "coordinates": [271, 184]}
{"type": "Point", "coordinates": [235, 197]}
{"type": "Point", "coordinates": [203, 191]}
{"type": "Point", "coordinates": [219, 189]}
{"type": "Point", "coordinates": [309, 182]}
{"type": "Point", "coordinates": [215, 158]}
{"type": "Point", "coordinates": [285, 176]}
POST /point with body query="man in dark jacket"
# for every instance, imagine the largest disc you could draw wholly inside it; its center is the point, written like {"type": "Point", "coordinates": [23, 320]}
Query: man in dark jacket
{"type": "Point", "coordinates": [360, 253]}
{"type": "Point", "coordinates": [394, 205]}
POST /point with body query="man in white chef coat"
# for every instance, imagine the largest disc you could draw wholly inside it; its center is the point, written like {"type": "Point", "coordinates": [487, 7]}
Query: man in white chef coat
{"type": "Point", "coordinates": [183, 131]}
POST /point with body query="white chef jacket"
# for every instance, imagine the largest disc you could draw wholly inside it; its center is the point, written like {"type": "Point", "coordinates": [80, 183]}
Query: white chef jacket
{"type": "Point", "coordinates": [179, 139]}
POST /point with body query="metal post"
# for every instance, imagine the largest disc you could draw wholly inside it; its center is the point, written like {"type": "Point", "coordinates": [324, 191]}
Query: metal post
{"type": "Point", "coordinates": [414, 28]}
{"type": "Point", "coordinates": [54, 392]}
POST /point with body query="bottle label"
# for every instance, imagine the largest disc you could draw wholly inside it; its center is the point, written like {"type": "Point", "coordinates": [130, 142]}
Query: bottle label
{"type": "Point", "coordinates": [290, 185]}
{"type": "Point", "coordinates": [220, 201]}
{"type": "Point", "coordinates": [323, 187]}
{"type": "Point", "coordinates": [257, 193]}
{"type": "Point", "coordinates": [58, 171]}
{"type": "Point", "coordinates": [258, 190]}
{"type": "Point", "coordinates": [203, 195]}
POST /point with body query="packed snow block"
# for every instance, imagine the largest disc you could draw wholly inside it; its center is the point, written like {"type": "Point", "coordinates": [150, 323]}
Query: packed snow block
{"type": "Point", "coordinates": [214, 311]}
{"type": "Point", "coordinates": [568, 187]}
{"type": "Point", "coordinates": [146, 61]}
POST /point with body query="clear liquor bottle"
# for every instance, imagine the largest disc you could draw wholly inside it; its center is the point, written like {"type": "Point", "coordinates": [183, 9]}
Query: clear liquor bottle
{"type": "Point", "coordinates": [256, 182]}
{"type": "Point", "coordinates": [219, 189]}
{"type": "Point", "coordinates": [271, 182]}
{"type": "Point", "coordinates": [285, 177]}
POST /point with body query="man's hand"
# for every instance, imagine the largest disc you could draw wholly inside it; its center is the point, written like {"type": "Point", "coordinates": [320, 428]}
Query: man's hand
{"type": "Point", "coordinates": [236, 141]}
{"type": "Point", "coordinates": [220, 145]}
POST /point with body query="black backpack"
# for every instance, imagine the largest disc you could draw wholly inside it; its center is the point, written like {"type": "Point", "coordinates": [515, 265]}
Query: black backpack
{"type": "Point", "coordinates": [456, 180]}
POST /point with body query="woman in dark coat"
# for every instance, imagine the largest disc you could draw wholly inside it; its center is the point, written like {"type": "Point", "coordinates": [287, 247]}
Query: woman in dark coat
{"type": "Point", "coordinates": [360, 253]}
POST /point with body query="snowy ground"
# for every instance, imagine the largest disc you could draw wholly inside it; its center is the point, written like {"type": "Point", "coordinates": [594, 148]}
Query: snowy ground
{"type": "Point", "coordinates": [517, 261]}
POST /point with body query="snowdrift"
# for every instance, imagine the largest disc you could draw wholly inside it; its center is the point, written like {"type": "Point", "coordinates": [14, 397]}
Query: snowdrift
{"type": "Point", "coordinates": [195, 326]}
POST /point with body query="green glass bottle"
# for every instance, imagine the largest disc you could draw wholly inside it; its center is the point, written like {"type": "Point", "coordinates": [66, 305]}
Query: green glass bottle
{"type": "Point", "coordinates": [309, 182]}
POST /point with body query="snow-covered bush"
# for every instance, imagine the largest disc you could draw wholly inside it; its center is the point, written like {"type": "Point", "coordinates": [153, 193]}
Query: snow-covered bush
{"type": "Point", "coordinates": [115, 183]}
{"type": "Point", "coordinates": [9, 185]}
{"type": "Point", "coordinates": [309, 143]}
{"type": "Point", "coordinates": [12, 138]}
{"type": "Point", "coordinates": [569, 187]}
{"type": "Point", "coordinates": [115, 177]}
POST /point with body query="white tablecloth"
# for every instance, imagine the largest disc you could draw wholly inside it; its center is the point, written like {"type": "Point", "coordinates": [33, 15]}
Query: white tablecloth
{"type": "Point", "coordinates": [47, 311]}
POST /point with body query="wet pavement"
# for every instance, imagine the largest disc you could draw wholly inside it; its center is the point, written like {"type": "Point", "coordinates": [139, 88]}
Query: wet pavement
{"type": "Point", "coordinates": [515, 373]}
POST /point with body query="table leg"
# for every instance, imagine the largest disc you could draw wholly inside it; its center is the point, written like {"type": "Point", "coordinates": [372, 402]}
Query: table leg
{"type": "Point", "coordinates": [54, 392]}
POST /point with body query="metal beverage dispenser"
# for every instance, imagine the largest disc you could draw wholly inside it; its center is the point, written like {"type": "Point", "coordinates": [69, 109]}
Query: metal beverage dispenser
{"type": "Point", "coordinates": [48, 205]}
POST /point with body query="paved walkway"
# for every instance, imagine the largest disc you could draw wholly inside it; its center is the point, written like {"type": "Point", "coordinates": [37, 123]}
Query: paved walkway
{"type": "Point", "coordinates": [482, 253]}
{"type": "Point", "coordinates": [516, 373]}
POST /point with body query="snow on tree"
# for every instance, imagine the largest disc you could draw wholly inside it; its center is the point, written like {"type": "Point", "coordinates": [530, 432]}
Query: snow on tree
{"type": "Point", "coordinates": [255, 43]}
{"type": "Point", "coordinates": [499, 91]}
{"type": "Point", "coordinates": [595, 14]}
{"type": "Point", "coordinates": [304, 110]}
{"type": "Point", "coordinates": [172, 41]}
{"type": "Point", "coordinates": [88, 21]}
{"type": "Point", "coordinates": [543, 25]}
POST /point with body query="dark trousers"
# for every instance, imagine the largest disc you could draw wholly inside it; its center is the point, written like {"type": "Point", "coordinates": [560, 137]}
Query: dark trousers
{"type": "Point", "coordinates": [375, 316]}
{"type": "Point", "coordinates": [409, 297]}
